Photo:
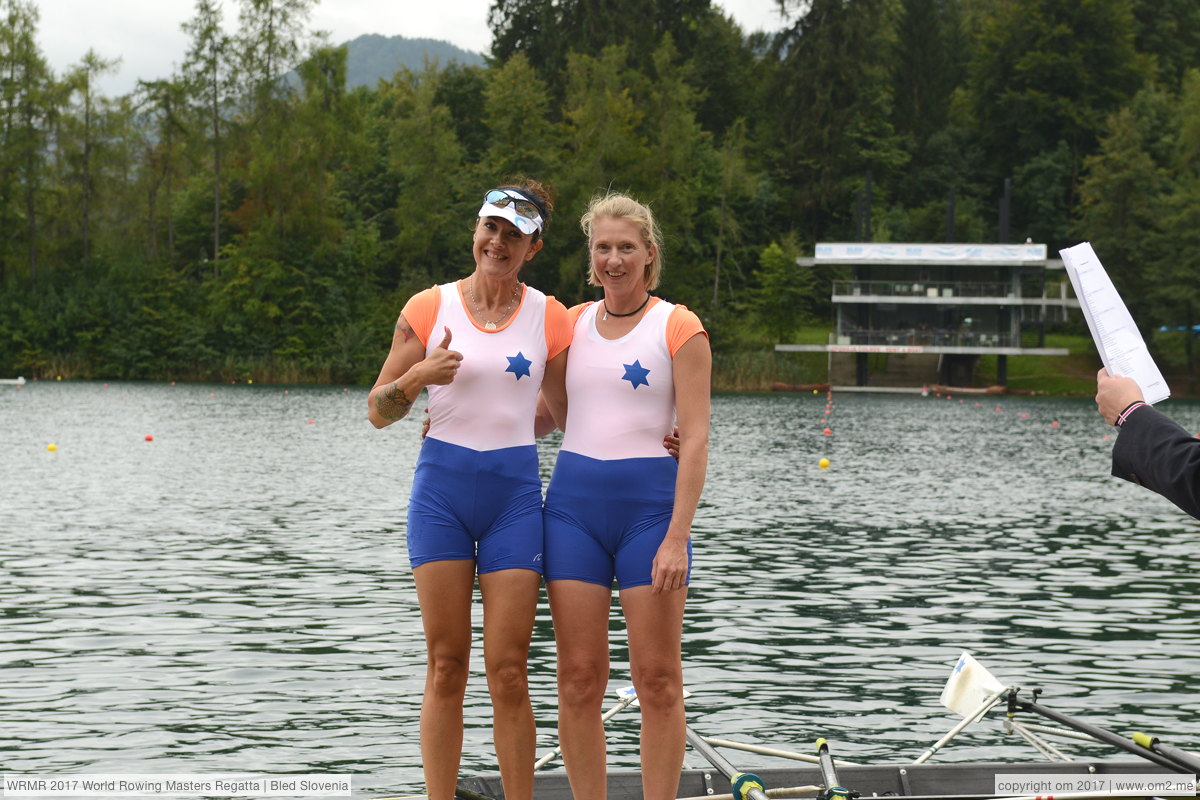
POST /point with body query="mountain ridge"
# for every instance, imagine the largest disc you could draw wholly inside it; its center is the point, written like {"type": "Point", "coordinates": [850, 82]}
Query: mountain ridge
{"type": "Point", "coordinates": [372, 57]}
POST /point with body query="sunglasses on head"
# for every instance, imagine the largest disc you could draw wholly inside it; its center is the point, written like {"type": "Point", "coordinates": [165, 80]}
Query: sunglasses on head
{"type": "Point", "coordinates": [502, 198]}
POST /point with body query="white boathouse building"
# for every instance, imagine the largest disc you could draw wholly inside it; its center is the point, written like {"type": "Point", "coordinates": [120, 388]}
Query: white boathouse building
{"type": "Point", "coordinates": [915, 314]}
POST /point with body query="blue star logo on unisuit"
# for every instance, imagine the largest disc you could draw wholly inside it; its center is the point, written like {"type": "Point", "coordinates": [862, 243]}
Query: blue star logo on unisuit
{"type": "Point", "coordinates": [636, 374]}
{"type": "Point", "coordinates": [518, 365]}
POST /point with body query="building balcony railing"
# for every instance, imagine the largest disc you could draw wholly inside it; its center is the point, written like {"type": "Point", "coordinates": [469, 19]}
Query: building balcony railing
{"type": "Point", "coordinates": [924, 337]}
{"type": "Point", "coordinates": [945, 289]}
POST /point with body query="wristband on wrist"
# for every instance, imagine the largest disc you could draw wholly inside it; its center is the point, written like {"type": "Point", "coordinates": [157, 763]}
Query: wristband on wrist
{"type": "Point", "coordinates": [1129, 409]}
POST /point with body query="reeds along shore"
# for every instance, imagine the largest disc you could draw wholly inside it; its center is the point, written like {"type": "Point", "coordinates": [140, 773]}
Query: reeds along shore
{"type": "Point", "coordinates": [751, 370]}
{"type": "Point", "coordinates": [758, 370]}
{"type": "Point", "coordinates": [268, 371]}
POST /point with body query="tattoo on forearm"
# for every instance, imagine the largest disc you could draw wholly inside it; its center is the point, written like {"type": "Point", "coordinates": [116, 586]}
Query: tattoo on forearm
{"type": "Point", "coordinates": [392, 403]}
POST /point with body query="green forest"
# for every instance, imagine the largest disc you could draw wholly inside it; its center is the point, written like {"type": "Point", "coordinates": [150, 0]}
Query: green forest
{"type": "Point", "coordinates": [249, 217]}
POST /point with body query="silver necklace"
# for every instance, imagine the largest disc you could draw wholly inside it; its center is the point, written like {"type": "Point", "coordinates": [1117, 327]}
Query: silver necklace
{"type": "Point", "coordinates": [491, 326]}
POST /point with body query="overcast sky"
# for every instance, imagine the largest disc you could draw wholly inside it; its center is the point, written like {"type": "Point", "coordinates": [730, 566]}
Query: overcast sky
{"type": "Point", "coordinates": [145, 34]}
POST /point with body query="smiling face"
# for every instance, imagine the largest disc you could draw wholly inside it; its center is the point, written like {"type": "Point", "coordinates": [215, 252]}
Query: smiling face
{"type": "Point", "coordinates": [620, 255]}
{"type": "Point", "coordinates": [500, 249]}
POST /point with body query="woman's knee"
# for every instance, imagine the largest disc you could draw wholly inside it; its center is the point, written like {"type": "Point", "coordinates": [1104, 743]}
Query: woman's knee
{"type": "Point", "coordinates": [508, 681]}
{"type": "Point", "coordinates": [659, 687]}
{"type": "Point", "coordinates": [447, 675]}
{"type": "Point", "coordinates": [582, 684]}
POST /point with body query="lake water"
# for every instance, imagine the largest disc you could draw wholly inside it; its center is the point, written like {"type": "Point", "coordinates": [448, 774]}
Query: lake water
{"type": "Point", "coordinates": [234, 595]}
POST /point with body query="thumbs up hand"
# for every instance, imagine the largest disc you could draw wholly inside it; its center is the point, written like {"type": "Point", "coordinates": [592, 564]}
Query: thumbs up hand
{"type": "Point", "coordinates": [442, 364]}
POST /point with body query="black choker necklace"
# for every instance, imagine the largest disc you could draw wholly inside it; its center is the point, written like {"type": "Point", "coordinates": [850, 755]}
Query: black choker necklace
{"type": "Point", "coordinates": [608, 313]}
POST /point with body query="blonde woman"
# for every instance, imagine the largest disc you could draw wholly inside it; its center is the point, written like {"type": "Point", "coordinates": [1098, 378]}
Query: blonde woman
{"type": "Point", "coordinates": [618, 506]}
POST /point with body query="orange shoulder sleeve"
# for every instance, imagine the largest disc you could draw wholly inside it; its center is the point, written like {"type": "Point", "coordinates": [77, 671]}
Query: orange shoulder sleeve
{"type": "Point", "coordinates": [421, 312]}
{"type": "Point", "coordinates": [575, 311]}
{"type": "Point", "coordinates": [558, 327]}
{"type": "Point", "coordinates": [682, 325]}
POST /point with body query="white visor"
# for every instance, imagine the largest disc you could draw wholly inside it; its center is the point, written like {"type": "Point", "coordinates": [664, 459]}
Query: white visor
{"type": "Point", "coordinates": [526, 225]}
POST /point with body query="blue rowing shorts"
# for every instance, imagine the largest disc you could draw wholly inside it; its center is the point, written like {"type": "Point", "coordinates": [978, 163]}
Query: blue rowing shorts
{"type": "Point", "coordinates": [468, 504]}
{"type": "Point", "coordinates": [606, 519]}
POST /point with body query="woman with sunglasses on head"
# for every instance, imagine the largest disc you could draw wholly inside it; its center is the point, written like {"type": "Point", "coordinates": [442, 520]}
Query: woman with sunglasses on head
{"type": "Point", "coordinates": [618, 506]}
{"type": "Point", "coordinates": [484, 346]}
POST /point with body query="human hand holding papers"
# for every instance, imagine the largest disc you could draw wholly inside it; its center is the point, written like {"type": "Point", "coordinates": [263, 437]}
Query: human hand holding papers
{"type": "Point", "coordinates": [1121, 346]}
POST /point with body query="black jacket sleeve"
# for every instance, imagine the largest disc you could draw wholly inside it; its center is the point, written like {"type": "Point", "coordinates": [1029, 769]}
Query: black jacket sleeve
{"type": "Point", "coordinates": [1154, 451]}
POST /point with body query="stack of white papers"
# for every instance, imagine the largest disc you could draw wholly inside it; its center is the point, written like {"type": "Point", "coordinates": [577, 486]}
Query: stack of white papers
{"type": "Point", "coordinates": [1121, 346]}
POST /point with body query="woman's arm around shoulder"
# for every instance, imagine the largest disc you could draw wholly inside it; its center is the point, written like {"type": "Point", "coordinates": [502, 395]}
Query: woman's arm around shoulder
{"type": "Point", "coordinates": [552, 400]}
{"type": "Point", "coordinates": [691, 370]}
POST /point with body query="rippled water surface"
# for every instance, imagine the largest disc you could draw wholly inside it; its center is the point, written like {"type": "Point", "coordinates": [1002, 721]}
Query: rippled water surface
{"type": "Point", "coordinates": [234, 595]}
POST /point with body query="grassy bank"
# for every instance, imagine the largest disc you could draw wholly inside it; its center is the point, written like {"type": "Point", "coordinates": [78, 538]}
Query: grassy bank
{"type": "Point", "coordinates": [268, 370]}
{"type": "Point", "coordinates": [755, 367]}
{"type": "Point", "coordinates": [747, 367]}
{"type": "Point", "coordinates": [1073, 374]}
{"type": "Point", "coordinates": [757, 370]}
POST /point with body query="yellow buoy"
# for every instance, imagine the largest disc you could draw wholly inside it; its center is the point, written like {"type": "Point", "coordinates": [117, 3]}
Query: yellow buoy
{"type": "Point", "coordinates": [52, 447]}
{"type": "Point", "coordinates": [823, 463]}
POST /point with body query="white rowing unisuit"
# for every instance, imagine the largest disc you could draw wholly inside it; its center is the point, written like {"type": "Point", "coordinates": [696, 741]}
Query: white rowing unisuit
{"type": "Point", "coordinates": [493, 399]}
{"type": "Point", "coordinates": [621, 392]}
